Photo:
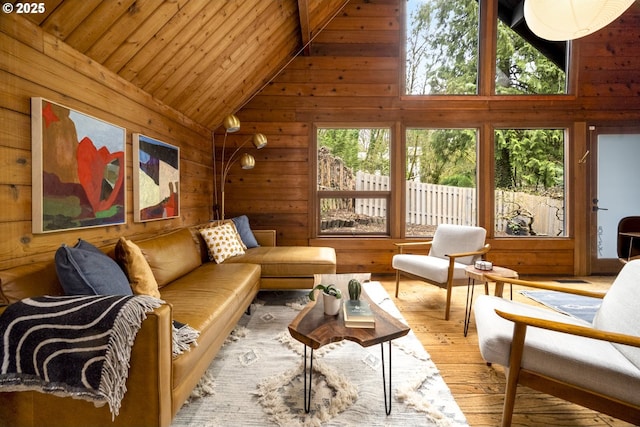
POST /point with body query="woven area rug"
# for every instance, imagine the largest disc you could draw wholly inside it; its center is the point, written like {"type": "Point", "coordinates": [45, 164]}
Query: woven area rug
{"type": "Point", "coordinates": [257, 378]}
{"type": "Point", "coordinates": [577, 306]}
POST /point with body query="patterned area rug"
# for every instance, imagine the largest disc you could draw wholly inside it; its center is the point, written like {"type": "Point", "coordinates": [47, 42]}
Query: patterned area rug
{"type": "Point", "coordinates": [257, 377]}
{"type": "Point", "coordinates": [576, 306]}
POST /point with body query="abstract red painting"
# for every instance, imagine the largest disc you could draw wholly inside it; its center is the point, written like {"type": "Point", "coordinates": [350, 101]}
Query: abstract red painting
{"type": "Point", "coordinates": [78, 169]}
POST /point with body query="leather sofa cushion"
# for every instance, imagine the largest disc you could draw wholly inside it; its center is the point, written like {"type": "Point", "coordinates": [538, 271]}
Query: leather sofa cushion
{"type": "Point", "coordinates": [209, 297]}
{"type": "Point", "coordinates": [29, 280]}
{"type": "Point", "coordinates": [171, 255]}
{"type": "Point", "coordinates": [290, 261]}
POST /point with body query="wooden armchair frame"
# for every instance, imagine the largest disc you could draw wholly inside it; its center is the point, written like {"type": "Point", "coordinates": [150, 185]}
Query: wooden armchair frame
{"type": "Point", "coordinates": [450, 283]}
{"type": "Point", "coordinates": [569, 392]}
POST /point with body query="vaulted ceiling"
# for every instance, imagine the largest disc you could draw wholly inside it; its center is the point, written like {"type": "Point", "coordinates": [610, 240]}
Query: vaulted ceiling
{"type": "Point", "coordinates": [204, 58]}
{"type": "Point", "coordinates": [207, 58]}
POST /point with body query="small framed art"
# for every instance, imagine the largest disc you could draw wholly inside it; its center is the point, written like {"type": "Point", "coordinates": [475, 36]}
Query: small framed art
{"type": "Point", "coordinates": [156, 179]}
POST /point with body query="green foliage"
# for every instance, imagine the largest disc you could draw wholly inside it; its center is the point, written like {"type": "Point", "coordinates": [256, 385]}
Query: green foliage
{"type": "Point", "coordinates": [529, 158]}
{"type": "Point", "coordinates": [442, 156]}
{"type": "Point", "coordinates": [459, 181]}
{"type": "Point", "coordinates": [442, 48]}
{"type": "Point", "coordinates": [327, 289]}
{"type": "Point", "coordinates": [523, 69]}
{"type": "Point", "coordinates": [365, 150]}
{"type": "Point", "coordinates": [342, 143]}
{"type": "Point", "coordinates": [442, 58]}
{"type": "Point", "coordinates": [442, 54]}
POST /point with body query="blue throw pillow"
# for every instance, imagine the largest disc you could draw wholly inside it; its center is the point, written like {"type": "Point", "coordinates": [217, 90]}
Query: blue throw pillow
{"type": "Point", "coordinates": [86, 270]}
{"type": "Point", "coordinates": [244, 230]}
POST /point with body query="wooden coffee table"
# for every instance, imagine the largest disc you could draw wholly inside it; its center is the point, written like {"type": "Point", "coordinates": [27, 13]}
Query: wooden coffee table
{"type": "Point", "coordinates": [314, 329]}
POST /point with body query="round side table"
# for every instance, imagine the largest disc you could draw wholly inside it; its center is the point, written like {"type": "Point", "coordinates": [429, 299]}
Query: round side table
{"type": "Point", "coordinates": [474, 274]}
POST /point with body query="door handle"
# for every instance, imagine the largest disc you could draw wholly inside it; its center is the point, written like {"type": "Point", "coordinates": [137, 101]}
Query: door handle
{"type": "Point", "coordinates": [596, 208]}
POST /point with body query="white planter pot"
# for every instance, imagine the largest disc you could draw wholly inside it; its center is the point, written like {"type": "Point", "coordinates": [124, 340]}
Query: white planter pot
{"type": "Point", "coordinates": [331, 304]}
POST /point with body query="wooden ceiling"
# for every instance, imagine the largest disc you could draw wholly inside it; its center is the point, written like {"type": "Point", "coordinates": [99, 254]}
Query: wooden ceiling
{"type": "Point", "coordinates": [204, 58]}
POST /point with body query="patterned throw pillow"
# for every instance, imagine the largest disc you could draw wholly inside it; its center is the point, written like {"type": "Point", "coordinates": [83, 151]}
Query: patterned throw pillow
{"type": "Point", "coordinates": [223, 241]}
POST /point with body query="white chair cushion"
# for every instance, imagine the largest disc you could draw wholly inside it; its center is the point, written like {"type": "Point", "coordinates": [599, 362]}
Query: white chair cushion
{"type": "Point", "coordinates": [451, 239]}
{"type": "Point", "coordinates": [619, 311]}
{"type": "Point", "coordinates": [592, 364]}
{"type": "Point", "coordinates": [429, 267]}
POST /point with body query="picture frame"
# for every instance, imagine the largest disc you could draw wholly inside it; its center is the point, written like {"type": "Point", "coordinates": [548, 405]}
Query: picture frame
{"type": "Point", "coordinates": [78, 169]}
{"type": "Point", "coordinates": [156, 179]}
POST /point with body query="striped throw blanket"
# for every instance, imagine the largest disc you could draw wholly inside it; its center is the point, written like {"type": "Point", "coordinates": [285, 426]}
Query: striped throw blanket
{"type": "Point", "coordinates": [71, 346]}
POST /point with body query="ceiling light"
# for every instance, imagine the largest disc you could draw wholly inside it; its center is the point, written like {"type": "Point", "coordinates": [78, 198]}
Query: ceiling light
{"type": "Point", "coordinates": [559, 20]}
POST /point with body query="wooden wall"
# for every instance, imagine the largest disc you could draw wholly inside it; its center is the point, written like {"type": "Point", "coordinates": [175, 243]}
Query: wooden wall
{"type": "Point", "coordinates": [34, 64]}
{"type": "Point", "coordinates": [353, 76]}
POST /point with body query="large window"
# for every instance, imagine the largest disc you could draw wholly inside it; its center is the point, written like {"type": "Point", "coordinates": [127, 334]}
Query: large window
{"type": "Point", "coordinates": [441, 51]}
{"type": "Point", "coordinates": [353, 184]}
{"type": "Point", "coordinates": [522, 69]}
{"type": "Point", "coordinates": [529, 182]}
{"type": "Point", "coordinates": [440, 179]}
{"type": "Point", "coordinates": [442, 47]}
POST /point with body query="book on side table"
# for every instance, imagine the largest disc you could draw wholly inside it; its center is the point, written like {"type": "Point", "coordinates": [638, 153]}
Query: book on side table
{"type": "Point", "coordinates": [358, 314]}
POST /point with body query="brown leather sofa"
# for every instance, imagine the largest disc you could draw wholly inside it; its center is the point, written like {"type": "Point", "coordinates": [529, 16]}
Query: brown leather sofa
{"type": "Point", "coordinates": [210, 298]}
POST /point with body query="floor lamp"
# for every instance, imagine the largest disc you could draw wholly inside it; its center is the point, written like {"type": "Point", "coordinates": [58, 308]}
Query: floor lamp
{"type": "Point", "coordinates": [232, 124]}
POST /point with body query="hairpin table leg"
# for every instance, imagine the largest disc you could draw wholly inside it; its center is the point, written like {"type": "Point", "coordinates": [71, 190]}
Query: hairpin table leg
{"type": "Point", "coordinates": [307, 392]}
{"type": "Point", "coordinates": [387, 394]}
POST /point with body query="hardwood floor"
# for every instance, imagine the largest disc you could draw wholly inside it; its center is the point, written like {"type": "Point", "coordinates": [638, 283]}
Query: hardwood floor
{"type": "Point", "coordinates": [478, 388]}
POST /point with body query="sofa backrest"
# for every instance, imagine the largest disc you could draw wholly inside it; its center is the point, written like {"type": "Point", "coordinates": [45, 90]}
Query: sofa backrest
{"type": "Point", "coordinates": [451, 239]}
{"type": "Point", "coordinates": [171, 255]}
{"type": "Point", "coordinates": [619, 311]}
{"type": "Point", "coordinates": [29, 280]}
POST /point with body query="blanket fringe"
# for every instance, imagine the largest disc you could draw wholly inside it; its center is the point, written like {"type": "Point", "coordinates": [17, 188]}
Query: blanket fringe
{"type": "Point", "coordinates": [115, 370]}
{"type": "Point", "coordinates": [183, 338]}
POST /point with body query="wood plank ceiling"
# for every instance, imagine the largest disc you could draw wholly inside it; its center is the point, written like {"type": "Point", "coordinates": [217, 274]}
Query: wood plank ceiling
{"type": "Point", "coordinates": [204, 58]}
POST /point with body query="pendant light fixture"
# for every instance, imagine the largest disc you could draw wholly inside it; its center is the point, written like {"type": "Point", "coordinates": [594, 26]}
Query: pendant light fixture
{"type": "Point", "coordinates": [559, 20]}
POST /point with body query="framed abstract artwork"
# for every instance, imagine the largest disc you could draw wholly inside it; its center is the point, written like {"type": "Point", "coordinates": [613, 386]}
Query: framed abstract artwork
{"type": "Point", "coordinates": [78, 169]}
{"type": "Point", "coordinates": [156, 179]}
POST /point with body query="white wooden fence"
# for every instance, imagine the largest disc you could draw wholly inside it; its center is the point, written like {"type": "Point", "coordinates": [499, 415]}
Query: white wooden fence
{"type": "Point", "coordinates": [431, 204]}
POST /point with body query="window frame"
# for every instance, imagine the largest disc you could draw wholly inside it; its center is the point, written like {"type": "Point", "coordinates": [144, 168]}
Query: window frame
{"type": "Point", "coordinates": [318, 195]}
{"type": "Point", "coordinates": [434, 126]}
{"type": "Point", "coordinates": [567, 173]}
{"type": "Point", "coordinates": [487, 59]}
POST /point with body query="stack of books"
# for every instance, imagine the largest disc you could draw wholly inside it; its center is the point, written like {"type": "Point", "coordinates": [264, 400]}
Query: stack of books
{"type": "Point", "coordinates": [358, 314]}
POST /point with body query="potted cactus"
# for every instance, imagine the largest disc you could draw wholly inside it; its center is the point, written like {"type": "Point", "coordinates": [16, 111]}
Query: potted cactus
{"type": "Point", "coordinates": [331, 298]}
{"type": "Point", "coordinates": [355, 289]}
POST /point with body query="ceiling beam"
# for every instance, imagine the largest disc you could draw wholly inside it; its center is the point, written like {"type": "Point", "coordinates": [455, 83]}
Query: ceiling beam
{"type": "Point", "coordinates": [305, 31]}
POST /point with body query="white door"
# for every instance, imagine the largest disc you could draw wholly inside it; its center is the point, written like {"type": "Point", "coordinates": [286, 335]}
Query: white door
{"type": "Point", "coordinates": [616, 195]}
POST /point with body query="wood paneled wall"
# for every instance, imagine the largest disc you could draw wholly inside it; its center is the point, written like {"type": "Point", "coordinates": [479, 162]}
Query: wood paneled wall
{"type": "Point", "coordinates": [35, 64]}
{"type": "Point", "coordinates": [353, 75]}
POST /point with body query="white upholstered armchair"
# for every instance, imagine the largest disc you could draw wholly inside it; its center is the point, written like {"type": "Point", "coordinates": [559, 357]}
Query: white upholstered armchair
{"type": "Point", "coordinates": [596, 365]}
{"type": "Point", "coordinates": [443, 259]}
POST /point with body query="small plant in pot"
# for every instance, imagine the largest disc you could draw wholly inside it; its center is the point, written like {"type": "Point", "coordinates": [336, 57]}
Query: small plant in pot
{"type": "Point", "coordinates": [331, 298]}
{"type": "Point", "coordinates": [355, 289]}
